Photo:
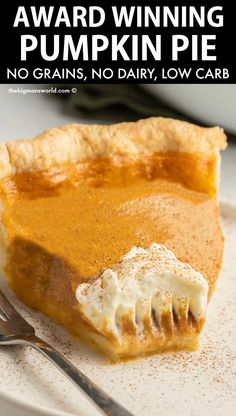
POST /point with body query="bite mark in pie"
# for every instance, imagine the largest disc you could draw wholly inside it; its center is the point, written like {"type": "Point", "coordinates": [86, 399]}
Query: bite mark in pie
{"type": "Point", "coordinates": [113, 230]}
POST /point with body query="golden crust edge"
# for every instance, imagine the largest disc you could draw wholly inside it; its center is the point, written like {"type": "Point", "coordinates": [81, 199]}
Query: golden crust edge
{"type": "Point", "coordinates": [78, 142]}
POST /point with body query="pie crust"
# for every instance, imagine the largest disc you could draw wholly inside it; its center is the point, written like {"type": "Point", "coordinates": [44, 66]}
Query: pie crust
{"type": "Point", "coordinates": [78, 142]}
{"type": "Point", "coordinates": [170, 166]}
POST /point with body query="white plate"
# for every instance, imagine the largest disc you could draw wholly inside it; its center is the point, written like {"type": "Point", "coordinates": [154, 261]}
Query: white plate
{"type": "Point", "coordinates": [210, 104]}
{"type": "Point", "coordinates": [199, 383]}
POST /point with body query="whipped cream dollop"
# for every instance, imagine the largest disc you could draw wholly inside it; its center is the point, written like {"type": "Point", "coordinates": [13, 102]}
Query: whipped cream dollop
{"type": "Point", "coordinates": [143, 285]}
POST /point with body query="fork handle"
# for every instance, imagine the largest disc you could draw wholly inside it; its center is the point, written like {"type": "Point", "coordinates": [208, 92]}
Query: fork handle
{"type": "Point", "coordinates": [98, 396]}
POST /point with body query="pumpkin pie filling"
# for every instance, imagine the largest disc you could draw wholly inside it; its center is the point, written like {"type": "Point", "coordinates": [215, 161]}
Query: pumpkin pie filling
{"type": "Point", "coordinates": [63, 226]}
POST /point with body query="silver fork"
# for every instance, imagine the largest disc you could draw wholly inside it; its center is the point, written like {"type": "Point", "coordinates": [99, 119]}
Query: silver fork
{"type": "Point", "coordinates": [14, 329]}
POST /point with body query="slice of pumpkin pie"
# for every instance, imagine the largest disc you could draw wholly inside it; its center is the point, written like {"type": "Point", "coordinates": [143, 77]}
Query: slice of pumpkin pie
{"type": "Point", "coordinates": [113, 230]}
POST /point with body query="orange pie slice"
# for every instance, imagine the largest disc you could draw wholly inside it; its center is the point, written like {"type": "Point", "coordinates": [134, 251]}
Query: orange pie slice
{"type": "Point", "coordinates": [113, 230]}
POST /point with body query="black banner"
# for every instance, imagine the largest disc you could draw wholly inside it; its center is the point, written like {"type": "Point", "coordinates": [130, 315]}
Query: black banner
{"type": "Point", "coordinates": [118, 42]}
